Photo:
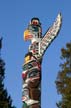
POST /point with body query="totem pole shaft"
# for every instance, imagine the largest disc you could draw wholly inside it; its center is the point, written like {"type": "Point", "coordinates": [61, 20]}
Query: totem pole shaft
{"type": "Point", "coordinates": [32, 83]}
{"type": "Point", "coordinates": [31, 75]}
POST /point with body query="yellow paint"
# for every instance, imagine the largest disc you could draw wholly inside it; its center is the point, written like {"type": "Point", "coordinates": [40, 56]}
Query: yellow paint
{"type": "Point", "coordinates": [27, 35]}
{"type": "Point", "coordinates": [27, 59]}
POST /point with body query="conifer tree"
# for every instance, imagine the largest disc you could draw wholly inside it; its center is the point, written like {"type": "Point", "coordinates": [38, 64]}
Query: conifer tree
{"type": "Point", "coordinates": [63, 81]}
{"type": "Point", "coordinates": [5, 99]}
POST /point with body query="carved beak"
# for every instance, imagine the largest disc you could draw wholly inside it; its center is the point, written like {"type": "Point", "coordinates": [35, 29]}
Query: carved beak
{"type": "Point", "coordinates": [27, 35]}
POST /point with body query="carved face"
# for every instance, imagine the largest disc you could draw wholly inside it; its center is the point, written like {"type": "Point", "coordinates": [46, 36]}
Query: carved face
{"type": "Point", "coordinates": [34, 30]}
{"type": "Point", "coordinates": [31, 69]}
{"type": "Point", "coordinates": [35, 21]}
{"type": "Point", "coordinates": [32, 64]}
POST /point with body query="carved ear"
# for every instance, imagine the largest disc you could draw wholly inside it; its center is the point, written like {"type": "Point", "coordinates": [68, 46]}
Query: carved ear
{"type": "Point", "coordinates": [50, 35]}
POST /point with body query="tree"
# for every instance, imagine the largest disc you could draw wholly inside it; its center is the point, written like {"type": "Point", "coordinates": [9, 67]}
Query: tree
{"type": "Point", "coordinates": [5, 99]}
{"type": "Point", "coordinates": [63, 81]}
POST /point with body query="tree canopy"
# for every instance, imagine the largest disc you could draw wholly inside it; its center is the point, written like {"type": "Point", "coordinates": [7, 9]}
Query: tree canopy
{"type": "Point", "coordinates": [5, 99]}
{"type": "Point", "coordinates": [63, 81]}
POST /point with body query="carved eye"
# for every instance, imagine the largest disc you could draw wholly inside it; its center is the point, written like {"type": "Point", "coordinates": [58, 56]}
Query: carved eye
{"type": "Point", "coordinates": [35, 22]}
{"type": "Point", "coordinates": [33, 74]}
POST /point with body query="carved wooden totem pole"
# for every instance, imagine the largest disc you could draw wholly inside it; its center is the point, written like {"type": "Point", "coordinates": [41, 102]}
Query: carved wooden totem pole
{"type": "Point", "coordinates": [31, 75]}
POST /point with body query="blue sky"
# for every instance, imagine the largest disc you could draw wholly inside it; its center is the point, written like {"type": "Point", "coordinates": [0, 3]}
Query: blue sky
{"type": "Point", "coordinates": [14, 18]}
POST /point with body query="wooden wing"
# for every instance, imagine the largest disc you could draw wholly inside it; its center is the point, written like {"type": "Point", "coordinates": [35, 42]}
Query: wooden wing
{"type": "Point", "coordinates": [50, 35]}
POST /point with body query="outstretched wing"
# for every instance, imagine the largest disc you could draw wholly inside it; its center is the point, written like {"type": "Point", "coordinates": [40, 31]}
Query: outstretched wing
{"type": "Point", "coordinates": [50, 35]}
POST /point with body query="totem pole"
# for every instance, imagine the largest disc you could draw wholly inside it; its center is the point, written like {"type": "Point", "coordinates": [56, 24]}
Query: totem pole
{"type": "Point", "coordinates": [31, 75]}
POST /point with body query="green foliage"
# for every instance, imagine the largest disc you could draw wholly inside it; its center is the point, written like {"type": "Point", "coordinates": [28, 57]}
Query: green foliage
{"type": "Point", "coordinates": [5, 99]}
{"type": "Point", "coordinates": [63, 81]}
